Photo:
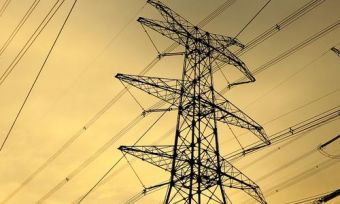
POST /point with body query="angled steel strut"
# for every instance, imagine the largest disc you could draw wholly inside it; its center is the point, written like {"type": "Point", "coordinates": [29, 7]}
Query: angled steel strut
{"type": "Point", "coordinates": [198, 173]}
{"type": "Point", "coordinates": [336, 51]}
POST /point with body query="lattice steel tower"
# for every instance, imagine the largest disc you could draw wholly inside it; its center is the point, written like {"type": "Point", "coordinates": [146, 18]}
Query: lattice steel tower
{"type": "Point", "coordinates": [199, 173]}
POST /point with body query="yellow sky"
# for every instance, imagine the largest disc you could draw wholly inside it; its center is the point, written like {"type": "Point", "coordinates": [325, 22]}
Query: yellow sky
{"type": "Point", "coordinates": [78, 81]}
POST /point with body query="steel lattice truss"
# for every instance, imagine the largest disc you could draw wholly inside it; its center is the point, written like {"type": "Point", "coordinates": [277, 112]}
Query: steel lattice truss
{"type": "Point", "coordinates": [198, 173]}
{"type": "Point", "coordinates": [336, 51]}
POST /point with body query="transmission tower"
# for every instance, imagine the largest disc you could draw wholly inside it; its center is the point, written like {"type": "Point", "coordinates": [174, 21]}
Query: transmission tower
{"type": "Point", "coordinates": [199, 174]}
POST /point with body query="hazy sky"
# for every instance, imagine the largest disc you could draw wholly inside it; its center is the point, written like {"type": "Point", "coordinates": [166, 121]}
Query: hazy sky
{"type": "Point", "coordinates": [78, 81]}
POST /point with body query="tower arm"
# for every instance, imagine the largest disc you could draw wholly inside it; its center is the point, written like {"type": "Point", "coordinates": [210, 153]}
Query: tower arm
{"type": "Point", "coordinates": [300, 127]}
{"type": "Point", "coordinates": [226, 112]}
{"type": "Point", "coordinates": [181, 31]}
{"type": "Point", "coordinates": [175, 32]}
{"type": "Point", "coordinates": [173, 18]}
{"type": "Point", "coordinates": [162, 157]}
{"type": "Point", "coordinates": [169, 15]}
{"type": "Point", "coordinates": [165, 89]}
{"type": "Point", "coordinates": [229, 58]}
{"type": "Point", "coordinates": [223, 42]}
{"type": "Point", "coordinates": [234, 178]}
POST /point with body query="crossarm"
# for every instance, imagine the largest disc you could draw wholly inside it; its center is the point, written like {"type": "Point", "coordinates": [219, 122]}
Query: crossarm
{"type": "Point", "coordinates": [178, 29]}
{"type": "Point", "coordinates": [165, 89]}
{"type": "Point", "coordinates": [227, 112]}
{"type": "Point", "coordinates": [160, 156]}
{"type": "Point", "coordinates": [169, 15]}
{"type": "Point", "coordinates": [222, 42]}
{"type": "Point", "coordinates": [234, 178]}
{"type": "Point", "coordinates": [175, 32]}
{"type": "Point", "coordinates": [229, 58]}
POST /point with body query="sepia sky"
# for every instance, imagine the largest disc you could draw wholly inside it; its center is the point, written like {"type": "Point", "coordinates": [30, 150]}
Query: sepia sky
{"type": "Point", "coordinates": [41, 161]}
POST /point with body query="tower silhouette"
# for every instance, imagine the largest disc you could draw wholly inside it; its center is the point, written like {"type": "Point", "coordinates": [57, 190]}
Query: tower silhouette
{"type": "Point", "coordinates": [198, 173]}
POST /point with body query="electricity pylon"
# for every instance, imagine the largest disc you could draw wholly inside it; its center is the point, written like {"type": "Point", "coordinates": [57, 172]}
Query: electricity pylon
{"type": "Point", "coordinates": [199, 174]}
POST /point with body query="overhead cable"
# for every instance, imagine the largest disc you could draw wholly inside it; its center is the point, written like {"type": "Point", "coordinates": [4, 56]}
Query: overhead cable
{"type": "Point", "coordinates": [37, 76]}
{"type": "Point", "coordinates": [31, 40]}
{"type": "Point", "coordinates": [108, 105]}
{"type": "Point", "coordinates": [4, 7]}
{"type": "Point", "coordinates": [135, 143]}
{"type": "Point", "coordinates": [19, 26]}
{"type": "Point", "coordinates": [252, 19]}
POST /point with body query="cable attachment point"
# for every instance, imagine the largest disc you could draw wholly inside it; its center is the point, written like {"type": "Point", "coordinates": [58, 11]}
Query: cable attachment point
{"type": "Point", "coordinates": [167, 54]}
{"type": "Point", "coordinates": [156, 110]}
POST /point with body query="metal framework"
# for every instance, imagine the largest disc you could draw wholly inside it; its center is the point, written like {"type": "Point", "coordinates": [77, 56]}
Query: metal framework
{"type": "Point", "coordinates": [327, 197]}
{"type": "Point", "coordinates": [199, 174]}
{"type": "Point", "coordinates": [336, 51]}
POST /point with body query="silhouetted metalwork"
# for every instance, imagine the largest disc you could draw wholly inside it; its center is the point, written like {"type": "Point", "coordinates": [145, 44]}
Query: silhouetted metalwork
{"type": "Point", "coordinates": [328, 197]}
{"type": "Point", "coordinates": [301, 127]}
{"type": "Point", "coordinates": [198, 172]}
{"type": "Point", "coordinates": [336, 51]}
{"type": "Point", "coordinates": [322, 147]}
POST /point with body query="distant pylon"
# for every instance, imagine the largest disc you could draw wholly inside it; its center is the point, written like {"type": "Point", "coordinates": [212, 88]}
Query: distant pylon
{"type": "Point", "coordinates": [199, 174]}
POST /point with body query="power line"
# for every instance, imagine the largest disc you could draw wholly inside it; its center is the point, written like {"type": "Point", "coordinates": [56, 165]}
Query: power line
{"type": "Point", "coordinates": [282, 167]}
{"type": "Point", "coordinates": [288, 20]}
{"type": "Point", "coordinates": [252, 19]}
{"type": "Point", "coordinates": [38, 75]}
{"type": "Point", "coordinates": [18, 27]}
{"type": "Point", "coordinates": [305, 122]}
{"type": "Point", "coordinates": [108, 105]}
{"type": "Point", "coordinates": [305, 105]}
{"type": "Point", "coordinates": [306, 125]}
{"type": "Point", "coordinates": [169, 49]}
{"type": "Point", "coordinates": [272, 31]}
{"type": "Point", "coordinates": [308, 65]}
{"type": "Point", "coordinates": [92, 157]}
{"type": "Point", "coordinates": [107, 46]}
{"type": "Point", "coordinates": [310, 198]}
{"type": "Point", "coordinates": [220, 9]}
{"type": "Point", "coordinates": [109, 177]}
{"type": "Point", "coordinates": [95, 155]}
{"type": "Point", "coordinates": [145, 192]}
{"type": "Point", "coordinates": [153, 62]}
{"type": "Point", "coordinates": [288, 52]}
{"type": "Point", "coordinates": [294, 110]}
{"type": "Point", "coordinates": [299, 177]}
{"type": "Point", "coordinates": [31, 40]}
{"type": "Point", "coordinates": [4, 7]}
{"type": "Point", "coordinates": [141, 137]}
